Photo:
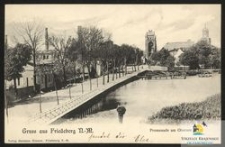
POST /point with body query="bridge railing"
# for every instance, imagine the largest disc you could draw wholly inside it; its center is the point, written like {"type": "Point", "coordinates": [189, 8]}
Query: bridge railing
{"type": "Point", "coordinates": [75, 101]}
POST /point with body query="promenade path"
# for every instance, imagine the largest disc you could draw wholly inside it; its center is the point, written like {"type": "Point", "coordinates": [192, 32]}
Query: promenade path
{"type": "Point", "coordinates": [28, 112]}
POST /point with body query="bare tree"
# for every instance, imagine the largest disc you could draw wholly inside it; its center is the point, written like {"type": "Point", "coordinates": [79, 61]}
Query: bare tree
{"type": "Point", "coordinates": [89, 40]}
{"type": "Point", "coordinates": [31, 33]}
{"type": "Point", "coordinates": [61, 44]}
{"type": "Point", "coordinates": [82, 34]}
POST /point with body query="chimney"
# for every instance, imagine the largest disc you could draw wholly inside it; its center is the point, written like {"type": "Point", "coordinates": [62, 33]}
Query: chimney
{"type": "Point", "coordinates": [46, 39]}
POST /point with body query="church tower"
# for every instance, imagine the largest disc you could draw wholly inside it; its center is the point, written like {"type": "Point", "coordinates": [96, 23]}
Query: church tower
{"type": "Point", "coordinates": [205, 35]}
{"type": "Point", "coordinates": [150, 43]}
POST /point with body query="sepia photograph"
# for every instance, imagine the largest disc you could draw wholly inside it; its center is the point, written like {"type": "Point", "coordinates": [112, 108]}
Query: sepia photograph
{"type": "Point", "coordinates": [112, 73]}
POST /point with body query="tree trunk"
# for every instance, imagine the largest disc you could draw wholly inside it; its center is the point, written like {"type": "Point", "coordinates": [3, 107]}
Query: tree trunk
{"type": "Point", "coordinates": [64, 76]}
{"type": "Point", "coordinates": [83, 78]}
{"type": "Point", "coordinates": [135, 68]}
{"type": "Point", "coordinates": [138, 67]}
{"type": "Point", "coordinates": [103, 78]}
{"type": "Point", "coordinates": [123, 69]}
{"type": "Point", "coordinates": [97, 80]}
{"type": "Point", "coordinates": [34, 79]}
{"type": "Point", "coordinates": [96, 72]}
{"type": "Point", "coordinates": [74, 74]}
{"type": "Point", "coordinates": [70, 90]}
{"type": "Point", "coordinates": [116, 72]}
{"type": "Point", "coordinates": [15, 88]}
{"type": "Point", "coordinates": [119, 71]}
{"type": "Point", "coordinates": [107, 63]}
{"type": "Point", "coordinates": [57, 98]}
{"type": "Point", "coordinates": [113, 69]}
{"type": "Point", "coordinates": [89, 76]}
{"type": "Point", "coordinates": [125, 65]}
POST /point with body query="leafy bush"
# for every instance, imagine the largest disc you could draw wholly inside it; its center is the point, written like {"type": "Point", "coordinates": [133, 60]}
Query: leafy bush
{"type": "Point", "coordinates": [208, 109]}
{"type": "Point", "coordinates": [192, 72]}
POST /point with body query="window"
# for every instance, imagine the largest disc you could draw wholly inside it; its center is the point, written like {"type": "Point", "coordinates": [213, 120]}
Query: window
{"type": "Point", "coordinates": [47, 57]}
{"type": "Point", "coordinates": [43, 56]}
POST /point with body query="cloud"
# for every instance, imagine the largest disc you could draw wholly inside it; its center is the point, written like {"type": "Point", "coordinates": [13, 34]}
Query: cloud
{"type": "Point", "coordinates": [127, 23]}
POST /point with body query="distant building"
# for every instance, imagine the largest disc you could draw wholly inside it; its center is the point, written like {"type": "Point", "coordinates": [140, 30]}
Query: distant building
{"type": "Point", "coordinates": [205, 35]}
{"type": "Point", "coordinates": [150, 43]}
{"type": "Point", "coordinates": [26, 80]}
{"type": "Point", "coordinates": [177, 48]}
{"type": "Point", "coordinates": [45, 60]}
{"type": "Point", "coordinates": [45, 57]}
{"type": "Point", "coordinates": [173, 47]}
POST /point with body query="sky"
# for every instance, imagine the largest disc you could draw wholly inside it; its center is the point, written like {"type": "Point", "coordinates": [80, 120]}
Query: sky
{"type": "Point", "coordinates": [128, 24]}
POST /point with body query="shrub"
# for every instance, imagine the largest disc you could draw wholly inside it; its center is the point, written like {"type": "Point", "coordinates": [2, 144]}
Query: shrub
{"type": "Point", "coordinates": [208, 109]}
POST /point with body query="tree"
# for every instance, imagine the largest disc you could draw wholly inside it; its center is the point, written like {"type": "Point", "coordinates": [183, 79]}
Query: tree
{"type": "Point", "coordinates": [126, 52]}
{"type": "Point", "coordinates": [15, 60]}
{"type": "Point", "coordinates": [190, 59]}
{"type": "Point", "coordinates": [164, 58]}
{"type": "Point", "coordinates": [72, 54]}
{"type": "Point", "coordinates": [31, 33]}
{"type": "Point", "coordinates": [105, 57]}
{"type": "Point", "coordinates": [201, 53]}
{"type": "Point", "coordinates": [89, 39]}
{"type": "Point", "coordinates": [170, 62]}
{"type": "Point", "coordinates": [139, 54]}
{"type": "Point", "coordinates": [61, 44]}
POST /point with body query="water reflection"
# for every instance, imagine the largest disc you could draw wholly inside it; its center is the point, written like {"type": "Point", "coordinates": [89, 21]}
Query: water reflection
{"type": "Point", "coordinates": [99, 104]}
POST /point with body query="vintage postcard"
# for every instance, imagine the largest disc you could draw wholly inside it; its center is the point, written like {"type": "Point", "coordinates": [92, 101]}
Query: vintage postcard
{"type": "Point", "coordinates": [110, 73]}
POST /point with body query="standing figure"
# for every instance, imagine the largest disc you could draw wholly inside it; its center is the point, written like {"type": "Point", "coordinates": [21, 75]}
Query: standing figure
{"type": "Point", "coordinates": [121, 111]}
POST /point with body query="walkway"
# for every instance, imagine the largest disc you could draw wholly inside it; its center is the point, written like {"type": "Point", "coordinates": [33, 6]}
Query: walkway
{"type": "Point", "coordinates": [29, 112]}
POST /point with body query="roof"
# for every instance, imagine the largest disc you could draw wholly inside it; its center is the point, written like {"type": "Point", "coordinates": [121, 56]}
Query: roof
{"type": "Point", "coordinates": [42, 48]}
{"type": "Point", "coordinates": [177, 45]}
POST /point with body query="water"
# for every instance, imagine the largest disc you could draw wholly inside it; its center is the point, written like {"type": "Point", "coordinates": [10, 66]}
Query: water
{"type": "Point", "coordinates": [143, 98]}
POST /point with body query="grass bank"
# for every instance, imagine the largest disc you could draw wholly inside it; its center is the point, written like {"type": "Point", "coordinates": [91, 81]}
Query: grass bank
{"type": "Point", "coordinates": [205, 110]}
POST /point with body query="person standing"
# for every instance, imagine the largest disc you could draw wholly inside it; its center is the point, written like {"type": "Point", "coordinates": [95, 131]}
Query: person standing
{"type": "Point", "coordinates": [121, 111]}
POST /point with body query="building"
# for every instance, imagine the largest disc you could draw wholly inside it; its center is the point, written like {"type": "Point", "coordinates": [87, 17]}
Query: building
{"type": "Point", "coordinates": [26, 80]}
{"type": "Point", "coordinates": [45, 58]}
{"type": "Point", "coordinates": [177, 48]}
{"type": "Point", "coordinates": [44, 64]}
{"type": "Point", "coordinates": [205, 35]}
{"type": "Point", "coordinates": [150, 43]}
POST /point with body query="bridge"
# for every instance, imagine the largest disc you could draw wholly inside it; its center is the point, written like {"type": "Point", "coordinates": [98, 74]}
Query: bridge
{"type": "Point", "coordinates": [62, 109]}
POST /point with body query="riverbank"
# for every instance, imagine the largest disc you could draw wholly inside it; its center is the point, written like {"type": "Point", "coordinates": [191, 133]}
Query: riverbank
{"type": "Point", "coordinates": [209, 109]}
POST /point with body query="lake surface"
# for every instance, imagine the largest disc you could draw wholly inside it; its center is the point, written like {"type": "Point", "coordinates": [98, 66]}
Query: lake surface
{"type": "Point", "coordinates": [143, 98]}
